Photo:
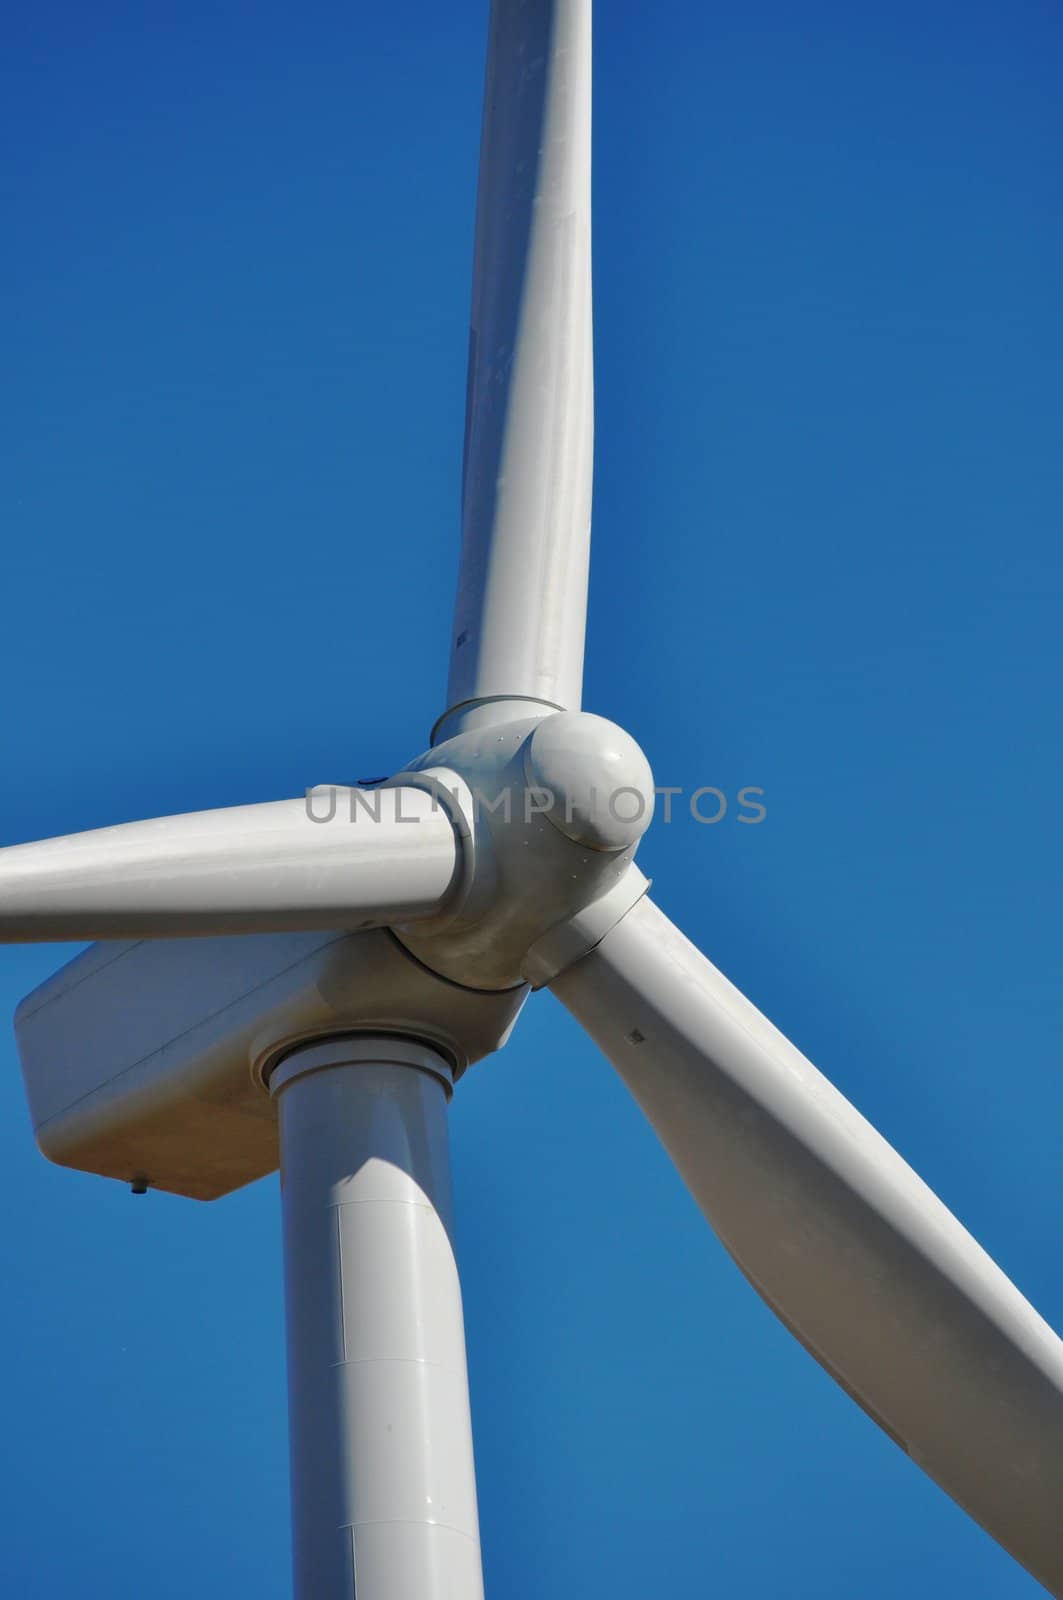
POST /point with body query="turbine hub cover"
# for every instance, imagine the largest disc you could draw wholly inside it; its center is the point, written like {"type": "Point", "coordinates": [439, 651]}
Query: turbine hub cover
{"type": "Point", "coordinates": [549, 809]}
{"type": "Point", "coordinates": [596, 776]}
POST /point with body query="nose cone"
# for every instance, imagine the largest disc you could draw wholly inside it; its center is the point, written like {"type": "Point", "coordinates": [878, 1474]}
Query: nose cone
{"type": "Point", "coordinates": [601, 782]}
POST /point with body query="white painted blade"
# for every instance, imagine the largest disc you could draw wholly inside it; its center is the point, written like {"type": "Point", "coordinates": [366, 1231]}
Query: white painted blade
{"type": "Point", "coordinates": [526, 495]}
{"type": "Point", "coordinates": [846, 1244]}
{"type": "Point", "coordinates": [340, 858]}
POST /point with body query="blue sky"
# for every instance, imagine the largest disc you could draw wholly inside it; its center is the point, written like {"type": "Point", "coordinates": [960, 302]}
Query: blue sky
{"type": "Point", "coordinates": [827, 561]}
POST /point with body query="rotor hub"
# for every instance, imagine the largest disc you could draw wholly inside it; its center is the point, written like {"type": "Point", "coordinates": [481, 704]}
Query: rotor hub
{"type": "Point", "coordinates": [550, 809]}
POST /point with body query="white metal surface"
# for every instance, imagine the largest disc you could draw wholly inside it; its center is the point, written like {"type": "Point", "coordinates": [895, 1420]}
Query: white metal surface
{"type": "Point", "coordinates": [549, 809]}
{"type": "Point", "coordinates": [383, 1487]}
{"type": "Point", "coordinates": [596, 778]}
{"type": "Point", "coordinates": [846, 1244]}
{"type": "Point", "coordinates": [144, 1061]}
{"type": "Point", "coordinates": [342, 858]}
{"type": "Point", "coordinates": [522, 586]}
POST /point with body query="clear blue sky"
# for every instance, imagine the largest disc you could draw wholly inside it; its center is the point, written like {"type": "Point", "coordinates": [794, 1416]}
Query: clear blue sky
{"type": "Point", "coordinates": [827, 561]}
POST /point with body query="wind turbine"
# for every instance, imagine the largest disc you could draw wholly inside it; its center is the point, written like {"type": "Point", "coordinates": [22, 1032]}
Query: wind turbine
{"type": "Point", "coordinates": [400, 930]}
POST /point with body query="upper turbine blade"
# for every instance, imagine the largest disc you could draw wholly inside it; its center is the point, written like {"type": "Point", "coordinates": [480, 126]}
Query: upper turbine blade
{"type": "Point", "coordinates": [341, 858]}
{"type": "Point", "coordinates": [526, 492]}
{"type": "Point", "coordinates": [846, 1244]}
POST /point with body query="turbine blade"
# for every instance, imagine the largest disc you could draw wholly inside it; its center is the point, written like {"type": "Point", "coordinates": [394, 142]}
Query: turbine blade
{"type": "Point", "coordinates": [846, 1244]}
{"type": "Point", "coordinates": [340, 858]}
{"type": "Point", "coordinates": [526, 494]}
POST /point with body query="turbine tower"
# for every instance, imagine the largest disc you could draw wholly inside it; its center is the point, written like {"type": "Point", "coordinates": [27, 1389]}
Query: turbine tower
{"type": "Point", "coordinates": [303, 984]}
